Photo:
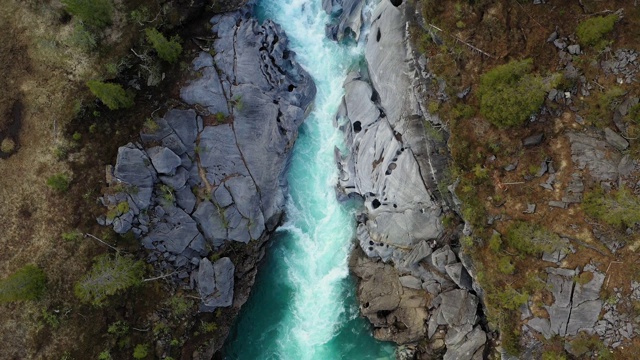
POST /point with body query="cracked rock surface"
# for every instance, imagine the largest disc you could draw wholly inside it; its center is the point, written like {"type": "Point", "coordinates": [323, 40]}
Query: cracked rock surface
{"type": "Point", "coordinates": [414, 286]}
{"type": "Point", "coordinates": [211, 171]}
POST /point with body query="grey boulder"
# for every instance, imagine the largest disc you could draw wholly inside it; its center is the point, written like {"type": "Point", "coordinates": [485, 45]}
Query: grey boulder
{"type": "Point", "coordinates": [164, 160]}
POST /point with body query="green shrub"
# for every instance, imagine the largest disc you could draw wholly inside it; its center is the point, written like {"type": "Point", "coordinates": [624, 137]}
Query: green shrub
{"type": "Point", "coordinates": [150, 125]}
{"type": "Point", "coordinates": [141, 351]}
{"type": "Point", "coordinates": [95, 13]}
{"type": "Point", "coordinates": [208, 327]}
{"type": "Point", "coordinates": [509, 298]}
{"type": "Point", "coordinates": [105, 355]}
{"type": "Point", "coordinates": [112, 95]}
{"type": "Point", "coordinates": [495, 242]}
{"type": "Point", "coordinates": [83, 38]}
{"type": "Point", "coordinates": [50, 319]}
{"type": "Point", "coordinates": [59, 182]}
{"type": "Point", "coordinates": [74, 235]}
{"type": "Point", "coordinates": [509, 94]}
{"type": "Point", "coordinates": [505, 265]}
{"type": "Point", "coordinates": [220, 117]}
{"type": "Point", "coordinates": [76, 136]}
{"type": "Point", "coordinates": [532, 239]}
{"type": "Point", "coordinates": [617, 208]}
{"type": "Point", "coordinates": [179, 305]}
{"type": "Point", "coordinates": [480, 173]}
{"type": "Point", "coordinates": [140, 15]}
{"type": "Point", "coordinates": [7, 145]}
{"type": "Point", "coordinates": [108, 276]}
{"type": "Point", "coordinates": [592, 31]}
{"type": "Point", "coordinates": [550, 355]}
{"type": "Point", "coordinates": [168, 50]}
{"type": "Point", "coordinates": [584, 343]}
{"type": "Point", "coordinates": [510, 338]}
{"type": "Point", "coordinates": [462, 111]}
{"type": "Point", "coordinates": [123, 207]}
{"type": "Point", "coordinates": [118, 328]}
{"type": "Point", "coordinates": [466, 242]}
{"type": "Point", "coordinates": [28, 283]}
{"type": "Point", "coordinates": [634, 113]}
{"type": "Point", "coordinates": [604, 105]}
{"type": "Point", "coordinates": [473, 211]}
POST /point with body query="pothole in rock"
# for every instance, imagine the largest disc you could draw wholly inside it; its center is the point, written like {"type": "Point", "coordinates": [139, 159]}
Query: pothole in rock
{"type": "Point", "coordinates": [357, 127]}
{"type": "Point", "coordinates": [375, 203]}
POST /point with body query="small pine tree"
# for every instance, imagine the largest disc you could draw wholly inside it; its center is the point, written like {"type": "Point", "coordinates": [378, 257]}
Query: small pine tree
{"type": "Point", "coordinates": [28, 283]}
{"type": "Point", "coordinates": [168, 50]}
{"type": "Point", "coordinates": [141, 351]}
{"type": "Point", "coordinates": [59, 182]}
{"type": "Point", "coordinates": [94, 13]}
{"type": "Point", "coordinates": [108, 276]}
{"type": "Point", "coordinates": [112, 95]}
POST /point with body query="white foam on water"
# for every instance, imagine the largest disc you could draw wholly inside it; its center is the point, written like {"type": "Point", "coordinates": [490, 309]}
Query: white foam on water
{"type": "Point", "coordinates": [318, 231]}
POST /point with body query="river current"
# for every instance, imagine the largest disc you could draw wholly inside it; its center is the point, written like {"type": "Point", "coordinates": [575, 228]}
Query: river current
{"type": "Point", "coordinates": [303, 304]}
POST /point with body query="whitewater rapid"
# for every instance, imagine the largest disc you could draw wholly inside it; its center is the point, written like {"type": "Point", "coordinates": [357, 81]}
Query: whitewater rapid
{"type": "Point", "coordinates": [303, 304]}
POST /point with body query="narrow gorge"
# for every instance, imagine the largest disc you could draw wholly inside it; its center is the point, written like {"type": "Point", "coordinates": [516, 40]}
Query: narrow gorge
{"type": "Point", "coordinates": [320, 179]}
{"type": "Point", "coordinates": [412, 286]}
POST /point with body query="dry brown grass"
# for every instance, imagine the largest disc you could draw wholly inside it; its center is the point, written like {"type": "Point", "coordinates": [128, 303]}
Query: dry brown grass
{"type": "Point", "coordinates": [45, 77]}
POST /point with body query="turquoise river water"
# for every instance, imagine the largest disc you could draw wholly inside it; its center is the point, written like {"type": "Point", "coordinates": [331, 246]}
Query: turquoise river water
{"type": "Point", "coordinates": [303, 304]}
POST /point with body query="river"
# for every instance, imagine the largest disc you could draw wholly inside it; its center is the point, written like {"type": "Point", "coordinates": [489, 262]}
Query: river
{"type": "Point", "coordinates": [303, 304]}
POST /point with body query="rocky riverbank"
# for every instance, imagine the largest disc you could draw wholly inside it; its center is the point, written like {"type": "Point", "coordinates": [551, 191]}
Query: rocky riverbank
{"type": "Point", "coordinates": [209, 173]}
{"type": "Point", "coordinates": [562, 178]}
{"type": "Point", "coordinates": [414, 286]}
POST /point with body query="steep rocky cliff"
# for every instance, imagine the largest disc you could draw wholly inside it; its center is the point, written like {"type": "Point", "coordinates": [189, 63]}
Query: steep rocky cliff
{"type": "Point", "coordinates": [413, 286]}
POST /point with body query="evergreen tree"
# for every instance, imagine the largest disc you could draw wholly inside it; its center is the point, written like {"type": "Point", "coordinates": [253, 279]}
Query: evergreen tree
{"type": "Point", "coordinates": [168, 50]}
{"type": "Point", "coordinates": [112, 95]}
{"type": "Point", "coordinates": [28, 283]}
{"type": "Point", "coordinates": [108, 276]}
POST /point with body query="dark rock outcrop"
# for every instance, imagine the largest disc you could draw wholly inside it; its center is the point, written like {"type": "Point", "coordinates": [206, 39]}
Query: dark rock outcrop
{"type": "Point", "coordinates": [211, 171]}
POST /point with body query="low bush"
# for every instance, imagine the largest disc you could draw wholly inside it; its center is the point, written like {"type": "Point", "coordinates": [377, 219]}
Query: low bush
{"type": "Point", "coordinates": [495, 242]}
{"type": "Point", "coordinates": [505, 265]}
{"type": "Point", "coordinates": [617, 208]}
{"type": "Point", "coordinates": [28, 283]}
{"type": "Point", "coordinates": [550, 355]}
{"type": "Point", "coordinates": [71, 236]}
{"type": "Point", "coordinates": [141, 351]}
{"type": "Point", "coordinates": [532, 239]}
{"type": "Point", "coordinates": [591, 32]}
{"type": "Point", "coordinates": [82, 38]}
{"type": "Point", "coordinates": [7, 145]}
{"type": "Point", "coordinates": [118, 328]}
{"type": "Point", "coordinates": [510, 94]}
